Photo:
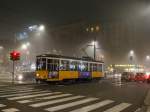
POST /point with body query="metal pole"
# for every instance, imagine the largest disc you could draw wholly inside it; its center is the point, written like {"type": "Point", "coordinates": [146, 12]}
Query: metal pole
{"type": "Point", "coordinates": [13, 73]}
{"type": "Point", "coordinates": [94, 49]}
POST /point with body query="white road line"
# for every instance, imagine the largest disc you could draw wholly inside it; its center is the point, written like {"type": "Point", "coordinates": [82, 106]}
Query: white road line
{"type": "Point", "coordinates": [118, 108]}
{"type": "Point", "coordinates": [21, 94]}
{"type": "Point", "coordinates": [64, 106]}
{"type": "Point", "coordinates": [15, 90]}
{"type": "Point", "coordinates": [93, 106]}
{"type": "Point", "coordinates": [5, 90]}
{"type": "Point", "coordinates": [38, 99]}
{"type": "Point", "coordinates": [29, 96]}
{"type": "Point", "coordinates": [10, 110]}
{"type": "Point", "coordinates": [55, 101]}
{"type": "Point", "coordinates": [2, 105]}
{"type": "Point", "coordinates": [23, 91]}
{"type": "Point", "coordinates": [138, 110]}
{"type": "Point", "coordinates": [48, 97]}
{"type": "Point", "coordinates": [55, 96]}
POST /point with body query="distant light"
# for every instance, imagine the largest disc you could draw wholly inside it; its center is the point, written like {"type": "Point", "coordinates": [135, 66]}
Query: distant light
{"type": "Point", "coordinates": [97, 28]}
{"type": "Point", "coordinates": [87, 29]}
{"type": "Point", "coordinates": [33, 66]}
{"type": "Point", "coordinates": [147, 57]}
{"type": "Point", "coordinates": [92, 29]}
{"type": "Point", "coordinates": [28, 44]}
{"type": "Point", "coordinates": [24, 46]}
{"type": "Point", "coordinates": [41, 28]}
{"type": "Point", "coordinates": [131, 52]}
{"type": "Point", "coordinates": [20, 77]}
{"type": "Point", "coordinates": [1, 47]}
{"type": "Point", "coordinates": [33, 28]}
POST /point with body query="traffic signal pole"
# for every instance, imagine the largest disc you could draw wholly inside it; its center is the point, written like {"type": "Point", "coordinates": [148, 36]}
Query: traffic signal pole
{"type": "Point", "coordinates": [14, 56]}
{"type": "Point", "coordinates": [13, 73]}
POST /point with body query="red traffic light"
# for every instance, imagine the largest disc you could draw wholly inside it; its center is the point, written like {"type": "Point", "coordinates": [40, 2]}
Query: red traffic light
{"type": "Point", "coordinates": [15, 55]}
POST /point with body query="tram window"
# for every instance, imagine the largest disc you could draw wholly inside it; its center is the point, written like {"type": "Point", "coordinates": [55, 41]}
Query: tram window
{"type": "Point", "coordinates": [99, 67]}
{"type": "Point", "coordinates": [49, 61]}
{"type": "Point", "coordinates": [38, 64]}
{"type": "Point", "coordinates": [64, 65]}
{"type": "Point", "coordinates": [52, 65]}
{"type": "Point", "coordinates": [83, 67]}
{"type": "Point", "coordinates": [94, 67]}
{"type": "Point", "coordinates": [73, 66]}
{"type": "Point", "coordinates": [41, 64]}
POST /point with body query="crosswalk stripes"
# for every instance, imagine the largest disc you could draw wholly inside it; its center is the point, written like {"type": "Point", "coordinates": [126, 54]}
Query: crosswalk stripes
{"type": "Point", "coordinates": [55, 101]}
{"type": "Point", "coordinates": [93, 106]}
{"type": "Point", "coordinates": [64, 106]}
{"type": "Point", "coordinates": [13, 89]}
{"type": "Point", "coordinates": [10, 110]}
{"type": "Point", "coordinates": [118, 108]}
{"type": "Point", "coordinates": [22, 91]}
{"type": "Point", "coordinates": [48, 98]}
{"type": "Point", "coordinates": [58, 101]}
{"type": "Point", "coordinates": [21, 94]}
{"type": "Point", "coordinates": [29, 96]}
{"type": "Point", "coordinates": [2, 105]}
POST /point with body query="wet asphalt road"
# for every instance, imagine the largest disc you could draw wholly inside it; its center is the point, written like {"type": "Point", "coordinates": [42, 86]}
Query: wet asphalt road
{"type": "Point", "coordinates": [120, 96]}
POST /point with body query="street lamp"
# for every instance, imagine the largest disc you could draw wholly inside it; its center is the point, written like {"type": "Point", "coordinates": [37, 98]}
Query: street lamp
{"type": "Point", "coordinates": [24, 46]}
{"type": "Point", "coordinates": [131, 53]}
{"type": "Point", "coordinates": [41, 28]}
{"type": "Point", "coordinates": [147, 57]}
{"type": "Point", "coordinates": [92, 30]}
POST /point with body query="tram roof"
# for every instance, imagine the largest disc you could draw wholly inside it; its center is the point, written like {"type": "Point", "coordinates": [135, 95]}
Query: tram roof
{"type": "Point", "coordinates": [68, 57]}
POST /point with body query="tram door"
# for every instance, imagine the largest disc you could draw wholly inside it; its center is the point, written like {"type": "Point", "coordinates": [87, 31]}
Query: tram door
{"type": "Point", "coordinates": [53, 68]}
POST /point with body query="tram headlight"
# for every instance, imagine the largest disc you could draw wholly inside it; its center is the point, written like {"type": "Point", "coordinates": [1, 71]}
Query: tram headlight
{"type": "Point", "coordinates": [37, 75]}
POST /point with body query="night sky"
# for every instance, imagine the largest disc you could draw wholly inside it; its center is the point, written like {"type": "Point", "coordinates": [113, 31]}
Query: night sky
{"type": "Point", "coordinates": [126, 23]}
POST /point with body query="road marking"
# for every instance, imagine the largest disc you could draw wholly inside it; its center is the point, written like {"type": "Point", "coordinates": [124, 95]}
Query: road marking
{"type": "Point", "coordinates": [55, 101]}
{"type": "Point", "coordinates": [55, 96]}
{"type": "Point", "coordinates": [21, 94]}
{"type": "Point", "coordinates": [93, 106]}
{"type": "Point", "coordinates": [8, 89]}
{"type": "Point", "coordinates": [118, 108]}
{"type": "Point", "coordinates": [10, 110]}
{"type": "Point", "coordinates": [29, 96]}
{"type": "Point", "coordinates": [138, 110]}
{"type": "Point", "coordinates": [64, 106]}
{"type": "Point", "coordinates": [48, 97]}
{"type": "Point", "coordinates": [23, 91]}
{"type": "Point", "coordinates": [2, 105]}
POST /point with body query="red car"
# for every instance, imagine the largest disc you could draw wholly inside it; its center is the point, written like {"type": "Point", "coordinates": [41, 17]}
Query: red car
{"type": "Point", "coordinates": [148, 79]}
{"type": "Point", "coordinates": [140, 77]}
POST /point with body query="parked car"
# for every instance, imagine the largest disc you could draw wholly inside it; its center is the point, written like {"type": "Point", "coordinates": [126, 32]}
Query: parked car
{"type": "Point", "coordinates": [127, 76]}
{"type": "Point", "coordinates": [140, 77]}
{"type": "Point", "coordinates": [148, 79]}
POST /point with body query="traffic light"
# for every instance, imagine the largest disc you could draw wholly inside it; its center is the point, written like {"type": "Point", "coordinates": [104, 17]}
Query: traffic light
{"type": "Point", "coordinates": [14, 56]}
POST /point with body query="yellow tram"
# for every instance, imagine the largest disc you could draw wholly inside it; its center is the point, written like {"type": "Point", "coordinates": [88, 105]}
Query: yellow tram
{"type": "Point", "coordinates": [50, 67]}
